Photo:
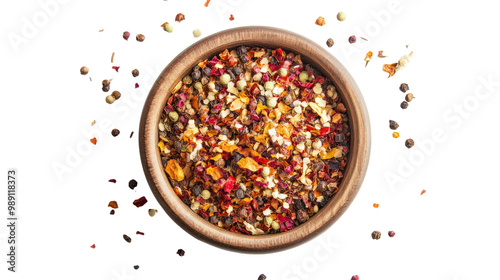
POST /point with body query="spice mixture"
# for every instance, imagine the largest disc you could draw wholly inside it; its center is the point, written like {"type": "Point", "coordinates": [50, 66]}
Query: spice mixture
{"type": "Point", "coordinates": [254, 140]}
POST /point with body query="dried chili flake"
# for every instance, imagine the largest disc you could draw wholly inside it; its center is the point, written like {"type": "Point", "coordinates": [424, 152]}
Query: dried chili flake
{"type": "Point", "coordinates": [422, 192]}
{"type": "Point", "coordinates": [136, 85]}
{"type": "Point", "coordinates": [139, 233]}
{"type": "Point", "coordinates": [179, 17]}
{"type": "Point", "coordinates": [206, 3]}
{"type": "Point", "coordinates": [368, 57]}
{"type": "Point", "coordinates": [320, 21]}
{"type": "Point", "coordinates": [380, 54]}
{"type": "Point", "coordinates": [231, 17]}
{"type": "Point", "coordinates": [93, 141]}
{"type": "Point", "coordinates": [140, 202]}
{"type": "Point", "coordinates": [92, 123]}
{"type": "Point", "coordinates": [390, 68]}
{"type": "Point", "coordinates": [249, 131]}
{"type": "Point", "coordinates": [375, 205]}
{"type": "Point", "coordinates": [112, 180]}
{"type": "Point", "coordinates": [116, 68]}
{"type": "Point", "coordinates": [113, 204]}
{"type": "Point", "coordinates": [92, 246]}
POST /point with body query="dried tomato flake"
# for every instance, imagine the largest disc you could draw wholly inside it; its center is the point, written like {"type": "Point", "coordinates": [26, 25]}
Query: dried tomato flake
{"type": "Point", "coordinates": [140, 201]}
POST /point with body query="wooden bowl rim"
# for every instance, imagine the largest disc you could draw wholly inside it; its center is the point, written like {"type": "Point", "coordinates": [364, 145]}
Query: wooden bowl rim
{"type": "Point", "coordinates": [266, 37]}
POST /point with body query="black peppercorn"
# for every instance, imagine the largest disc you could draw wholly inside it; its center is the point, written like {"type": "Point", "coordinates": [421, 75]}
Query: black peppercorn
{"type": "Point", "coordinates": [404, 87]}
{"type": "Point", "coordinates": [376, 235]}
{"type": "Point", "coordinates": [329, 42]}
{"type": "Point", "coordinates": [115, 132]}
{"type": "Point", "coordinates": [135, 72]}
{"type": "Point", "coordinates": [140, 37]}
{"type": "Point", "coordinates": [207, 71]}
{"type": "Point", "coordinates": [136, 267]}
{"type": "Point", "coordinates": [240, 193]}
{"type": "Point", "coordinates": [404, 105]}
{"type": "Point", "coordinates": [393, 125]}
{"type": "Point", "coordinates": [409, 143]}
{"type": "Point", "coordinates": [180, 252]}
{"type": "Point", "coordinates": [196, 75]}
{"type": "Point", "coordinates": [116, 94]}
{"type": "Point", "coordinates": [132, 184]}
{"type": "Point", "coordinates": [262, 277]}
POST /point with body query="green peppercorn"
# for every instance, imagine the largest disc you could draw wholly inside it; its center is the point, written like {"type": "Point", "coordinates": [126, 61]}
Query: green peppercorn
{"type": "Point", "coordinates": [187, 80]}
{"type": "Point", "coordinates": [282, 72]}
{"type": "Point", "coordinates": [198, 86]}
{"type": "Point", "coordinates": [173, 116]}
{"type": "Point", "coordinates": [225, 79]}
{"type": "Point", "coordinates": [241, 84]}
{"type": "Point", "coordinates": [110, 99]}
{"type": "Point", "coordinates": [341, 16]}
{"type": "Point", "coordinates": [269, 85]}
{"type": "Point", "coordinates": [275, 225]}
{"type": "Point", "coordinates": [303, 76]}
{"type": "Point", "coordinates": [271, 102]}
{"type": "Point", "coordinates": [196, 33]}
{"type": "Point", "coordinates": [167, 27]}
{"type": "Point", "coordinates": [205, 194]}
{"type": "Point", "coordinates": [268, 221]}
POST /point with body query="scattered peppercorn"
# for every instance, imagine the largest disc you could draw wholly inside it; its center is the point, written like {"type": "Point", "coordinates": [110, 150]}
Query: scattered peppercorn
{"type": "Point", "coordinates": [352, 39]}
{"type": "Point", "coordinates": [409, 143]}
{"type": "Point", "coordinates": [404, 105]}
{"type": "Point", "coordinates": [110, 99]}
{"type": "Point", "coordinates": [135, 72]}
{"type": "Point", "coordinates": [140, 202]}
{"type": "Point", "coordinates": [341, 16]}
{"type": "Point", "coordinates": [127, 238]}
{"type": "Point", "coordinates": [376, 235]}
{"type": "Point", "coordinates": [152, 212]}
{"type": "Point", "coordinates": [330, 42]}
{"type": "Point", "coordinates": [262, 277]}
{"type": "Point", "coordinates": [84, 70]}
{"type": "Point", "coordinates": [196, 33]}
{"type": "Point", "coordinates": [115, 132]}
{"type": "Point", "coordinates": [132, 184]}
{"type": "Point", "coordinates": [140, 37]}
{"type": "Point", "coordinates": [136, 267]}
{"type": "Point", "coordinates": [355, 277]}
{"type": "Point", "coordinates": [179, 17]}
{"type": "Point", "coordinates": [409, 97]}
{"type": "Point", "coordinates": [112, 212]}
{"type": "Point", "coordinates": [391, 233]}
{"type": "Point", "coordinates": [395, 134]}
{"type": "Point", "coordinates": [393, 125]}
{"type": "Point", "coordinates": [126, 35]}
{"type": "Point", "coordinates": [116, 94]}
{"type": "Point", "coordinates": [180, 252]}
{"type": "Point", "coordinates": [404, 87]}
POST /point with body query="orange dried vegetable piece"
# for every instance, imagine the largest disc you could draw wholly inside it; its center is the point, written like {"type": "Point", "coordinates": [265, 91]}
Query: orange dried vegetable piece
{"type": "Point", "coordinates": [174, 170]}
{"type": "Point", "coordinates": [375, 205]}
{"type": "Point", "coordinates": [228, 147]}
{"type": "Point", "coordinates": [231, 18]}
{"type": "Point", "coordinates": [336, 118]}
{"type": "Point", "coordinates": [113, 204]}
{"type": "Point", "coordinates": [214, 172]}
{"type": "Point", "coordinates": [244, 98]}
{"type": "Point", "coordinates": [261, 139]}
{"type": "Point", "coordinates": [285, 130]}
{"type": "Point", "coordinates": [422, 192]}
{"type": "Point", "coordinates": [380, 54]}
{"type": "Point", "coordinates": [284, 108]}
{"type": "Point", "coordinates": [177, 87]}
{"type": "Point", "coordinates": [206, 3]}
{"type": "Point", "coordinates": [268, 126]}
{"type": "Point", "coordinates": [368, 57]}
{"type": "Point", "coordinates": [275, 203]}
{"type": "Point", "coordinates": [332, 153]}
{"type": "Point", "coordinates": [260, 107]}
{"type": "Point", "coordinates": [259, 53]}
{"type": "Point", "coordinates": [216, 157]}
{"type": "Point", "coordinates": [390, 68]}
{"type": "Point", "coordinates": [224, 55]}
{"type": "Point", "coordinates": [93, 141]}
{"type": "Point", "coordinates": [161, 145]}
{"type": "Point", "coordinates": [249, 163]}
{"type": "Point", "coordinates": [237, 104]}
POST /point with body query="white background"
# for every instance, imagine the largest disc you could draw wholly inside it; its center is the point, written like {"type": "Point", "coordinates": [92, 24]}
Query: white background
{"type": "Point", "coordinates": [449, 233]}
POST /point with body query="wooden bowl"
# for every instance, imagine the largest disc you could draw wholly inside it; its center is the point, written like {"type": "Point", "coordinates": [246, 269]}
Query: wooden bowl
{"type": "Point", "coordinates": [311, 53]}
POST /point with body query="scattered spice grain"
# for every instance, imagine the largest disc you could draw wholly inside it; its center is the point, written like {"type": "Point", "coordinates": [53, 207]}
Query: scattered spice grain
{"type": "Point", "coordinates": [376, 235]}
{"type": "Point", "coordinates": [409, 143]}
{"type": "Point", "coordinates": [115, 132]}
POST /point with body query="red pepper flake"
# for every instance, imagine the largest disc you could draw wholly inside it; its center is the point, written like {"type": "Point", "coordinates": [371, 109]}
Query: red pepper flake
{"type": "Point", "coordinates": [140, 202]}
{"type": "Point", "coordinates": [368, 57]}
{"type": "Point", "coordinates": [231, 18]}
{"type": "Point", "coordinates": [422, 192]}
{"type": "Point", "coordinates": [116, 68]}
{"type": "Point", "coordinates": [380, 54]}
{"type": "Point", "coordinates": [136, 85]}
{"type": "Point", "coordinates": [113, 204]}
{"type": "Point", "coordinates": [375, 205]}
{"type": "Point", "coordinates": [140, 233]}
{"type": "Point", "coordinates": [206, 3]}
{"type": "Point", "coordinates": [390, 68]}
{"type": "Point", "coordinates": [355, 277]}
{"type": "Point", "coordinates": [112, 180]}
{"type": "Point", "coordinates": [93, 246]}
{"type": "Point", "coordinates": [93, 141]}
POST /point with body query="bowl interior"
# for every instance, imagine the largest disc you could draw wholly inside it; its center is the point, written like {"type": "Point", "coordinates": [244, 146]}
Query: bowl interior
{"type": "Point", "coordinates": [311, 53]}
